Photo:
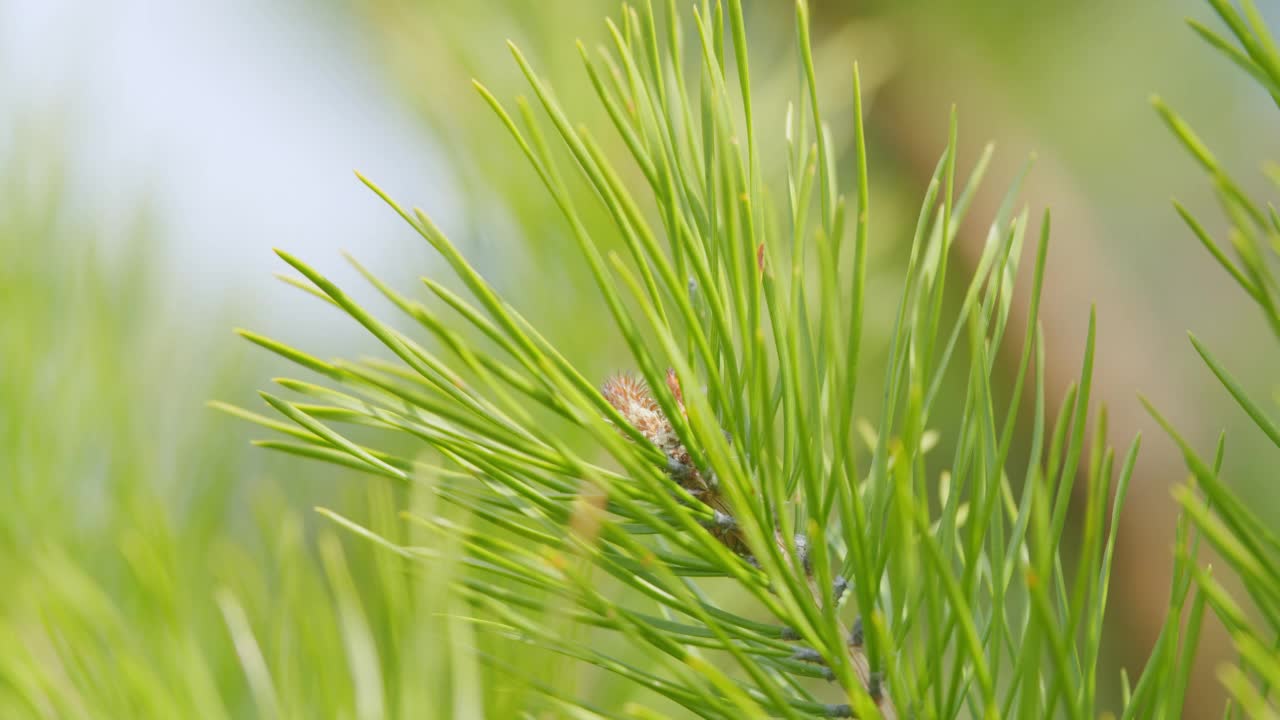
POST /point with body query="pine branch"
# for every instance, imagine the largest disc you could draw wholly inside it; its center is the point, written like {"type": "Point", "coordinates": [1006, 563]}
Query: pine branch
{"type": "Point", "coordinates": [732, 450]}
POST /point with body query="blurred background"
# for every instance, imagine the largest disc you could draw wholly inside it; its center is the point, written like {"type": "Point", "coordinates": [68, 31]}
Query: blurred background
{"type": "Point", "coordinates": [152, 154]}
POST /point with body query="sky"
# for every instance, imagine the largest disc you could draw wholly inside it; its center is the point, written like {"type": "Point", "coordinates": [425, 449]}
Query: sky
{"type": "Point", "coordinates": [240, 122]}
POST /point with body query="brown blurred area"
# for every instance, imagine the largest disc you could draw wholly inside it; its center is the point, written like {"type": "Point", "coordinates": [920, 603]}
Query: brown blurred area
{"type": "Point", "coordinates": [1050, 79]}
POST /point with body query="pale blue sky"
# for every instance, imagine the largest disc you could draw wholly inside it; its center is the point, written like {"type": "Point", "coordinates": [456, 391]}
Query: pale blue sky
{"type": "Point", "coordinates": [242, 122]}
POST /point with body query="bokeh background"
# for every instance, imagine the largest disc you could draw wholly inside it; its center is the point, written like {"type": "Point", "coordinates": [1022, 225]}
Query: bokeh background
{"type": "Point", "coordinates": [152, 154]}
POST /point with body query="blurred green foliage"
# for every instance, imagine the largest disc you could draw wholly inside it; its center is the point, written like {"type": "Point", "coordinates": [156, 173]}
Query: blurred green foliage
{"type": "Point", "coordinates": [146, 550]}
{"type": "Point", "coordinates": [1246, 541]}
{"type": "Point", "coordinates": [151, 567]}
